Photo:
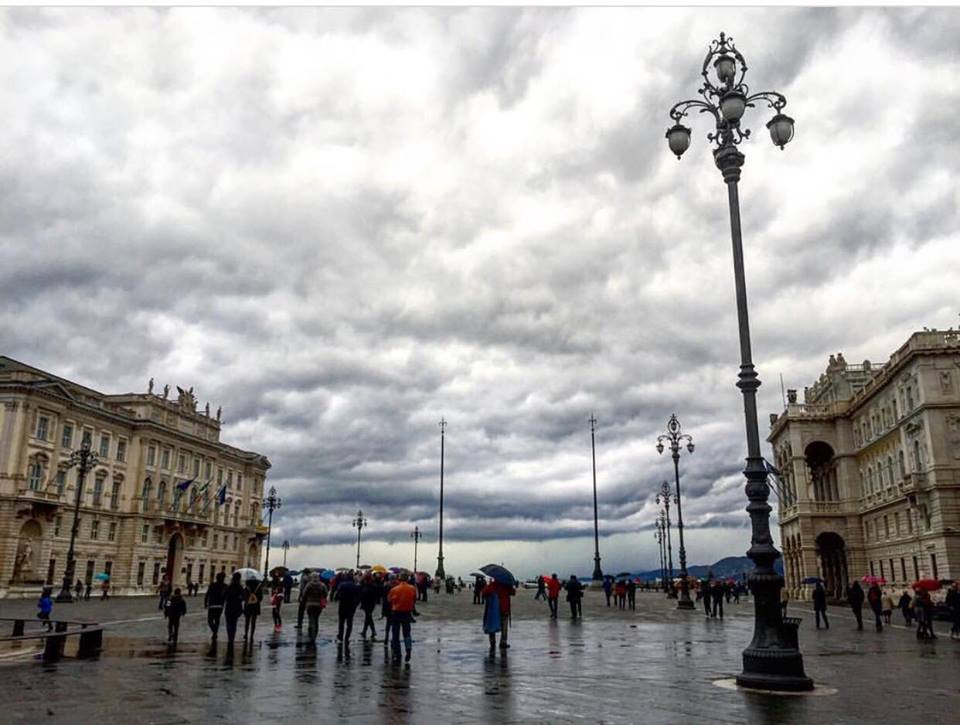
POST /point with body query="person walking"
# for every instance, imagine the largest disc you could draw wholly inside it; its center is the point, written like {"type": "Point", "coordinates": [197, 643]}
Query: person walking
{"type": "Point", "coordinates": [88, 587]}
{"type": "Point", "coordinates": [497, 610]}
{"type": "Point", "coordinates": [541, 589]}
{"type": "Point", "coordinates": [45, 608]}
{"type": "Point", "coordinates": [575, 597]}
{"type": "Point", "coordinates": [478, 585]}
{"type": "Point", "coordinates": [620, 594]}
{"type": "Point", "coordinates": [234, 599]}
{"type": "Point", "coordinates": [887, 607]}
{"type": "Point", "coordinates": [78, 591]}
{"type": "Point", "coordinates": [176, 608]}
{"type": "Point", "coordinates": [906, 608]}
{"type": "Point", "coordinates": [953, 606]}
{"type": "Point", "coordinates": [276, 601]}
{"type": "Point", "coordinates": [607, 588]}
{"type": "Point", "coordinates": [348, 599]}
{"type": "Point", "coordinates": [632, 595]}
{"type": "Point", "coordinates": [403, 598]}
{"type": "Point", "coordinates": [301, 602]}
{"type": "Point", "coordinates": [370, 593]}
{"type": "Point", "coordinates": [875, 599]}
{"type": "Point", "coordinates": [784, 601]}
{"type": "Point", "coordinates": [104, 590]}
{"type": "Point", "coordinates": [923, 611]}
{"type": "Point", "coordinates": [855, 598]}
{"type": "Point", "coordinates": [313, 597]}
{"type": "Point", "coordinates": [163, 590]}
{"type": "Point", "coordinates": [287, 586]}
{"type": "Point", "coordinates": [553, 594]}
{"type": "Point", "coordinates": [716, 593]}
{"type": "Point", "coordinates": [252, 595]}
{"type": "Point", "coordinates": [213, 602]}
{"type": "Point", "coordinates": [820, 605]}
{"type": "Point", "coordinates": [704, 590]}
{"type": "Point", "coordinates": [385, 608]}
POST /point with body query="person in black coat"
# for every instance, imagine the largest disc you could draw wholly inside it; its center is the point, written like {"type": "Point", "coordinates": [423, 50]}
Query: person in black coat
{"type": "Point", "coordinates": [716, 593]}
{"type": "Point", "coordinates": [370, 593]}
{"type": "Point", "coordinates": [233, 600]}
{"type": "Point", "coordinates": [575, 597]}
{"type": "Point", "coordinates": [348, 599]}
{"type": "Point", "coordinates": [820, 605]}
{"type": "Point", "coordinates": [855, 597]}
{"type": "Point", "coordinates": [213, 601]}
{"type": "Point", "coordinates": [175, 609]}
{"type": "Point", "coordinates": [906, 604]}
{"type": "Point", "coordinates": [875, 598]}
{"type": "Point", "coordinates": [252, 596]}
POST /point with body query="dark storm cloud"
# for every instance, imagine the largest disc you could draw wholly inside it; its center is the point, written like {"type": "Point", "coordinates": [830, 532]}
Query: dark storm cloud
{"type": "Point", "coordinates": [342, 224]}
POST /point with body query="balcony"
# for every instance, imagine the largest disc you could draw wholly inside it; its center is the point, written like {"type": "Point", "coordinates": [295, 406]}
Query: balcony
{"type": "Point", "coordinates": [163, 510]}
{"type": "Point", "coordinates": [826, 507]}
{"type": "Point", "coordinates": [49, 496]}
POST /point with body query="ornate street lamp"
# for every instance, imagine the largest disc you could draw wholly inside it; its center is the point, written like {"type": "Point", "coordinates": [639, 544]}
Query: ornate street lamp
{"type": "Point", "coordinates": [658, 535]}
{"type": "Point", "coordinates": [84, 459]}
{"type": "Point", "coordinates": [674, 438]}
{"type": "Point", "coordinates": [440, 573]}
{"type": "Point", "coordinates": [663, 498]}
{"type": "Point", "coordinates": [359, 523]}
{"type": "Point", "coordinates": [416, 535]}
{"type": "Point", "coordinates": [772, 661]}
{"type": "Point", "coordinates": [597, 571]}
{"type": "Point", "coordinates": [286, 547]}
{"type": "Point", "coordinates": [271, 503]}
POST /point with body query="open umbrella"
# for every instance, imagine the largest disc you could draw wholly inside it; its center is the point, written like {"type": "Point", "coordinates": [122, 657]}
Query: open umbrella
{"type": "Point", "coordinates": [870, 579]}
{"type": "Point", "coordinates": [379, 568]}
{"type": "Point", "coordinates": [931, 585]}
{"type": "Point", "coordinates": [279, 570]}
{"type": "Point", "coordinates": [811, 580]}
{"type": "Point", "coordinates": [248, 574]}
{"type": "Point", "coordinates": [397, 569]}
{"type": "Point", "coordinates": [623, 574]}
{"type": "Point", "coordinates": [102, 577]}
{"type": "Point", "coordinates": [499, 574]}
{"type": "Point", "coordinates": [365, 566]}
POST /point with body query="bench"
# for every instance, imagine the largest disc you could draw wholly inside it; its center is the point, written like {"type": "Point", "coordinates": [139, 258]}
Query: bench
{"type": "Point", "coordinates": [89, 634]}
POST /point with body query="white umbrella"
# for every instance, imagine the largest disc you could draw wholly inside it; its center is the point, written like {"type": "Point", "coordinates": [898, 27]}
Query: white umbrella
{"type": "Point", "coordinates": [246, 574]}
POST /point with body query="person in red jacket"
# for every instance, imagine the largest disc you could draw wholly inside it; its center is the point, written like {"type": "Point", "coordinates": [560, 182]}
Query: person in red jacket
{"type": "Point", "coordinates": [503, 593]}
{"type": "Point", "coordinates": [553, 594]}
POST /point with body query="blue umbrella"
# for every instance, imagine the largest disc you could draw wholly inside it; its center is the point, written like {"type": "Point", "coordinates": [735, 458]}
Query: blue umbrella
{"type": "Point", "coordinates": [102, 577]}
{"type": "Point", "coordinates": [327, 574]}
{"type": "Point", "coordinates": [812, 580]}
{"type": "Point", "coordinates": [499, 574]}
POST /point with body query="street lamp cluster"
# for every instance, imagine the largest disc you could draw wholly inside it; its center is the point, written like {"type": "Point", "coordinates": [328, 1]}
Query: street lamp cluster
{"type": "Point", "coordinates": [772, 661]}
{"type": "Point", "coordinates": [675, 438]}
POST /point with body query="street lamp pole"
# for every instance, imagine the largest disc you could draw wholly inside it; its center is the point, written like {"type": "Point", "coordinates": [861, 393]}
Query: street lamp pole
{"type": "Point", "coordinates": [440, 573]}
{"type": "Point", "coordinates": [663, 498]}
{"type": "Point", "coordinates": [286, 548]}
{"type": "Point", "coordinates": [772, 661]}
{"type": "Point", "coordinates": [597, 571]}
{"type": "Point", "coordinates": [416, 535]}
{"type": "Point", "coordinates": [359, 523]}
{"type": "Point", "coordinates": [674, 437]}
{"type": "Point", "coordinates": [84, 459]}
{"type": "Point", "coordinates": [658, 535]}
{"type": "Point", "coordinates": [271, 503]}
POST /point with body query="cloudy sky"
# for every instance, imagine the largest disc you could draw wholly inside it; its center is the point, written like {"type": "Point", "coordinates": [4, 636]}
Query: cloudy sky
{"type": "Point", "coordinates": [343, 224]}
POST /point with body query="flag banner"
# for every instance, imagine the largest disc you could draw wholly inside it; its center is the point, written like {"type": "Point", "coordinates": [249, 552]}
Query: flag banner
{"type": "Point", "coordinates": [184, 485]}
{"type": "Point", "coordinates": [222, 495]}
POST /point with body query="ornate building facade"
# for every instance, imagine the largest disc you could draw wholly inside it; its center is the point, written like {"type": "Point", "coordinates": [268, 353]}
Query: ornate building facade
{"type": "Point", "coordinates": [870, 469]}
{"type": "Point", "coordinates": [139, 517]}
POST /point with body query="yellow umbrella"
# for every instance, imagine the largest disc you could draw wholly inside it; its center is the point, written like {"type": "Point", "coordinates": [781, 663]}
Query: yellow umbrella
{"type": "Point", "coordinates": [379, 568]}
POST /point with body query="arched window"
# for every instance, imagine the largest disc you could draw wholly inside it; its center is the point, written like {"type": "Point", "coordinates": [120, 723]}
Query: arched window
{"type": "Point", "coordinates": [35, 473]}
{"type": "Point", "coordinates": [145, 495]}
{"type": "Point", "coordinates": [162, 493]}
{"type": "Point", "coordinates": [98, 488]}
{"type": "Point", "coordinates": [236, 514]}
{"type": "Point", "coordinates": [917, 460]}
{"type": "Point", "coordinates": [115, 492]}
{"type": "Point", "coordinates": [889, 470]}
{"type": "Point", "coordinates": [903, 466]}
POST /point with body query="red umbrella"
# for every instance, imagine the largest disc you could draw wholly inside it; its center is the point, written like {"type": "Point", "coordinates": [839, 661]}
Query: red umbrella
{"type": "Point", "coordinates": [931, 585]}
{"type": "Point", "coordinates": [870, 579]}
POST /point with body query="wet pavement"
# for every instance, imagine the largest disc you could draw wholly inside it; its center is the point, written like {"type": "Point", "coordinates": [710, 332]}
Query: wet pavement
{"type": "Point", "coordinates": [655, 665]}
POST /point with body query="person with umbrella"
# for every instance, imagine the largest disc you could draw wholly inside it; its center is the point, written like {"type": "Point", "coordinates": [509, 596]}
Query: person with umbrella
{"type": "Point", "coordinates": [575, 596]}
{"type": "Point", "coordinates": [496, 610]}
{"type": "Point", "coordinates": [923, 610]}
{"type": "Point", "coordinates": [875, 598]}
{"type": "Point", "coordinates": [620, 594]}
{"type": "Point", "coordinates": [906, 608]}
{"type": "Point", "coordinates": [820, 605]}
{"type": "Point", "coordinates": [403, 599]}
{"type": "Point", "coordinates": [252, 595]}
{"type": "Point", "coordinates": [553, 594]}
{"type": "Point", "coordinates": [855, 597]}
{"type": "Point", "coordinates": [213, 601]}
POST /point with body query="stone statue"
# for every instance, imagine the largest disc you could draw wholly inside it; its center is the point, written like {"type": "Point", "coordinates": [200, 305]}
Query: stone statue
{"type": "Point", "coordinates": [24, 560]}
{"type": "Point", "coordinates": [166, 392]}
{"type": "Point", "coordinates": [186, 398]}
{"type": "Point", "coordinates": [207, 409]}
{"type": "Point", "coordinates": [219, 410]}
{"type": "Point", "coordinates": [150, 387]}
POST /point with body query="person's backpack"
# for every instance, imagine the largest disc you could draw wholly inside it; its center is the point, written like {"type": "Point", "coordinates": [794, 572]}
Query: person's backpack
{"type": "Point", "coordinates": [252, 598]}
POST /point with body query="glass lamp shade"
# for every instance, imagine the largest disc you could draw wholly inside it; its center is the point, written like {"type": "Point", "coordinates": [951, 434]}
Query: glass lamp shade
{"type": "Point", "coordinates": [726, 68]}
{"type": "Point", "coordinates": [659, 447]}
{"type": "Point", "coordinates": [781, 130]}
{"type": "Point", "coordinates": [732, 106]}
{"type": "Point", "coordinates": [678, 137]}
{"type": "Point", "coordinates": [690, 447]}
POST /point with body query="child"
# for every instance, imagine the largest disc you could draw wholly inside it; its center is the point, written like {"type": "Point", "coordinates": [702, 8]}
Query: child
{"type": "Point", "coordinates": [176, 608]}
{"type": "Point", "coordinates": [276, 599]}
{"type": "Point", "coordinates": [45, 605]}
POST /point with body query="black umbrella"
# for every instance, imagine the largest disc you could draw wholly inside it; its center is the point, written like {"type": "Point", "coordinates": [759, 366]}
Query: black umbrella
{"type": "Point", "coordinates": [499, 574]}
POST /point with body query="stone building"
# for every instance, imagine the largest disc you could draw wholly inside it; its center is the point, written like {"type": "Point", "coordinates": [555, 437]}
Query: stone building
{"type": "Point", "coordinates": [870, 469]}
{"type": "Point", "coordinates": [137, 518]}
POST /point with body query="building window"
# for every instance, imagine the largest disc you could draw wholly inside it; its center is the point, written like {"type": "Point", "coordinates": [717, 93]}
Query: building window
{"type": "Point", "coordinates": [872, 573]}
{"type": "Point", "coordinates": [216, 540]}
{"type": "Point", "coordinates": [108, 568]}
{"type": "Point", "coordinates": [57, 525]}
{"type": "Point", "coordinates": [156, 573]}
{"type": "Point", "coordinates": [61, 482]}
{"type": "Point", "coordinates": [162, 493]}
{"type": "Point", "coordinates": [86, 438]}
{"type": "Point", "coordinates": [882, 573]}
{"type": "Point", "coordinates": [909, 518]}
{"type": "Point", "coordinates": [140, 571]}
{"type": "Point", "coordinates": [229, 479]}
{"type": "Point", "coordinates": [115, 494]}
{"type": "Point", "coordinates": [903, 568]}
{"type": "Point", "coordinates": [104, 447]}
{"type": "Point", "coordinates": [209, 470]}
{"type": "Point", "coordinates": [121, 450]}
{"type": "Point", "coordinates": [66, 439]}
{"type": "Point", "coordinates": [893, 572]}
{"type": "Point", "coordinates": [94, 529]}
{"type": "Point", "coordinates": [51, 568]}
{"type": "Point", "coordinates": [91, 563]}
{"type": "Point", "coordinates": [200, 574]}
{"type": "Point", "coordinates": [219, 476]}
{"type": "Point", "coordinates": [112, 531]}
{"type": "Point", "coordinates": [896, 522]}
{"type": "Point", "coordinates": [893, 405]}
{"type": "Point", "coordinates": [196, 467]}
{"type": "Point", "coordinates": [909, 398]}
{"type": "Point", "coordinates": [43, 427]}
{"type": "Point", "coordinates": [145, 534]}
{"type": "Point", "coordinates": [165, 459]}
{"type": "Point", "coordinates": [933, 566]}
{"type": "Point", "coordinates": [886, 526]}
{"type": "Point", "coordinates": [36, 475]}
{"type": "Point", "coordinates": [181, 463]}
{"type": "Point", "coordinates": [917, 460]}
{"type": "Point", "coordinates": [97, 491]}
{"type": "Point", "coordinates": [916, 569]}
{"type": "Point", "coordinates": [158, 534]}
{"type": "Point", "coordinates": [239, 482]}
{"type": "Point", "coordinates": [152, 456]}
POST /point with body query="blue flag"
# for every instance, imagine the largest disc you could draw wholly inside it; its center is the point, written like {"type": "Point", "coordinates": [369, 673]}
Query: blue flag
{"type": "Point", "coordinates": [184, 485]}
{"type": "Point", "coordinates": [222, 495]}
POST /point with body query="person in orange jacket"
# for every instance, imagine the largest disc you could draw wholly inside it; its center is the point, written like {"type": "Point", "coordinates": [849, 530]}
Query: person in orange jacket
{"type": "Point", "coordinates": [402, 597]}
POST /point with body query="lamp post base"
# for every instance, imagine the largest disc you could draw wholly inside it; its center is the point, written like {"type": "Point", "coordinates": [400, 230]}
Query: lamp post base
{"type": "Point", "coordinates": [784, 682]}
{"type": "Point", "coordinates": [597, 571]}
{"type": "Point", "coordinates": [440, 573]}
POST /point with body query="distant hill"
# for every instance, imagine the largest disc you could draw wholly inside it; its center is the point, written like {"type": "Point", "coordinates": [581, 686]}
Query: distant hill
{"type": "Point", "coordinates": [731, 566]}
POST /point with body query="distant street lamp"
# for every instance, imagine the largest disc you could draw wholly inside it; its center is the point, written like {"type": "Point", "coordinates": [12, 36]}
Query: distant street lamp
{"type": "Point", "coordinates": [416, 535]}
{"type": "Point", "coordinates": [271, 503]}
{"type": "Point", "coordinates": [84, 459]}
{"type": "Point", "coordinates": [658, 535]}
{"type": "Point", "coordinates": [359, 523]}
{"type": "Point", "coordinates": [772, 661]}
{"type": "Point", "coordinates": [440, 573]}
{"type": "Point", "coordinates": [286, 547]}
{"type": "Point", "coordinates": [597, 571]}
{"type": "Point", "coordinates": [663, 498]}
{"type": "Point", "coordinates": [674, 437]}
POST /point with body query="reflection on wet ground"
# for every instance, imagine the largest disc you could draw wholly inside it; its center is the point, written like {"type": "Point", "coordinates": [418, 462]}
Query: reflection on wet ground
{"type": "Point", "coordinates": [654, 665]}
